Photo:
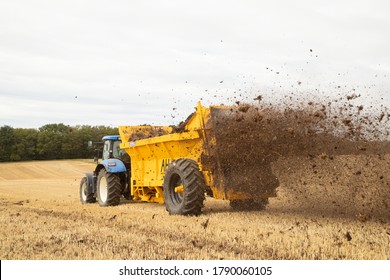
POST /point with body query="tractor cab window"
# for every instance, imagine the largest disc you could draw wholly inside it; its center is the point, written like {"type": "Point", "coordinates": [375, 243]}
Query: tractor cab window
{"type": "Point", "coordinates": [106, 150]}
{"type": "Point", "coordinates": [117, 152]}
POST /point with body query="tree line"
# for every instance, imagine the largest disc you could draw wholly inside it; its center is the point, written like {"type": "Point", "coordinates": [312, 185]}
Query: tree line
{"type": "Point", "coordinates": [51, 141]}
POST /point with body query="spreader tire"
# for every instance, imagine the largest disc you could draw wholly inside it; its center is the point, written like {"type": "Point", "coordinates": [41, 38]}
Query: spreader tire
{"type": "Point", "coordinates": [184, 188]}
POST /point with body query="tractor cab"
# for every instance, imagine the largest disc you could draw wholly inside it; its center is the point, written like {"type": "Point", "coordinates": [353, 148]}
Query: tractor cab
{"type": "Point", "coordinates": [111, 148]}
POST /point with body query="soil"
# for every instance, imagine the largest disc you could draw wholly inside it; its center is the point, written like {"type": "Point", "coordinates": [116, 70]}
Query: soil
{"type": "Point", "coordinates": [333, 145]}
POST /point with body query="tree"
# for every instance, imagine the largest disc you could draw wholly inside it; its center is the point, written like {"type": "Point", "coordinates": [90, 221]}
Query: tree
{"type": "Point", "coordinates": [25, 144]}
{"type": "Point", "coordinates": [51, 141]}
{"type": "Point", "coordinates": [6, 142]}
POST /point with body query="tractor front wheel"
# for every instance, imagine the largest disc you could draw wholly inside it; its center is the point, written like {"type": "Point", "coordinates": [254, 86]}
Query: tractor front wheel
{"type": "Point", "coordinates": [109, 188]}
{"type": "Point", "coordinates": [85, 196]}
{"type": "Point", "coordinates": [184, 188]}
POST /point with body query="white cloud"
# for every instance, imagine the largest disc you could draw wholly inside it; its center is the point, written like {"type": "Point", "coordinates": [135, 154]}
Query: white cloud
{"type": "Point", "coordinates": [132, 62]}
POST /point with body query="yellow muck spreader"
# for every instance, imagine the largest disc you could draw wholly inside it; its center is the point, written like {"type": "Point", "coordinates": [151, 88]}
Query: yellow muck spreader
{"type": "Point", "coordinates": [179, 166]}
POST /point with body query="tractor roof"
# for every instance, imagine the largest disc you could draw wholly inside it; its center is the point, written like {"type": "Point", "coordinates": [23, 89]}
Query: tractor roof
{"type": "Point", "coordinates": [111, 137]}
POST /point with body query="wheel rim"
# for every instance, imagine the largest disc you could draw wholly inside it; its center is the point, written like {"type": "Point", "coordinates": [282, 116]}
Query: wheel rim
{"type": "Point", "coordinates": [177, 196]}
{"type": "Point", "coordinates": [84, 191]}
{"type": "Point", "coordinates": [103, 191]}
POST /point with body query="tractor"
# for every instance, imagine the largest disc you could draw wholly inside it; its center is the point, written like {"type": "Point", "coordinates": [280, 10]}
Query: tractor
{"type": "Point", "coordinates": [112, 170]}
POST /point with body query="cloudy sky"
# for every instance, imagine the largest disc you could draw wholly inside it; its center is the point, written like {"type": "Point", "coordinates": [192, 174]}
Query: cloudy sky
{"type": "Point", "coordinates": [130, 62]}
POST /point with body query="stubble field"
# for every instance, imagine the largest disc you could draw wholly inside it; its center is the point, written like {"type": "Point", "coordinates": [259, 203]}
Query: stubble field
{"type": "Point", "coordinates": [340, 213]}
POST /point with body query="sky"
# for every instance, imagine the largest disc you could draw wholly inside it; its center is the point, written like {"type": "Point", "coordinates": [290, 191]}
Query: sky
{"type": "Point", "coordinates": [130, 62]}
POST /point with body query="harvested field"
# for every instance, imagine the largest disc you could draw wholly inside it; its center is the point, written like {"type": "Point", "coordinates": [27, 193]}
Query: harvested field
{"type": "Point", "coordinates": [313, 217]}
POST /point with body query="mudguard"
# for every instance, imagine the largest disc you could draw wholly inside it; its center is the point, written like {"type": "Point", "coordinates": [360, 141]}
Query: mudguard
{"type": "Point", "coordinates": [113, 165]}
{"type": "Point", "coordinates": [91, 183]}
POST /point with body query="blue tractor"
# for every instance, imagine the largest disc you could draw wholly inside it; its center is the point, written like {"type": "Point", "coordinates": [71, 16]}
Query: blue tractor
{"type": "Point", "coordinates": [110, 180]}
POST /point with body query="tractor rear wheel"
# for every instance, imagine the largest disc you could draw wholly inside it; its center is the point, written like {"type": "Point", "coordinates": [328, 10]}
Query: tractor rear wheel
{"type": "Point", "coordinates": [184, 188]}
{"type": "Point", "coordinates": [249, 204]}
{"type": "Point", "coordinates": [109, 188]}
{"type": "Point", "coordinates": [85, 196]}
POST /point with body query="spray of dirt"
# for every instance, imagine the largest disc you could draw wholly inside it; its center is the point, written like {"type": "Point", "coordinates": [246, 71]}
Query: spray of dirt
{"type": "Point", "coordinates": [320, 156]}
